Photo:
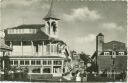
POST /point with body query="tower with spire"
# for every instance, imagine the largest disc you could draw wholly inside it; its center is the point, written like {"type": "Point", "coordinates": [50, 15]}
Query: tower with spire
{"type": "Point", "coordinates": [51, 22]}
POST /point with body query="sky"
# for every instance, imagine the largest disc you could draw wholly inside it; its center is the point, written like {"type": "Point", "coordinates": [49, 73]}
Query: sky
{"type": "Point", "coordinates": [80, 20]}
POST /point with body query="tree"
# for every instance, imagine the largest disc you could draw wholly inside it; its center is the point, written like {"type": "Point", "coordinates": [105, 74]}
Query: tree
{"type": "Point", "coordinates": [93, 67]}
{"type": "Point", "coordinates": [7, 66]}
{"type": "Point", "coordinates": [85, 58]}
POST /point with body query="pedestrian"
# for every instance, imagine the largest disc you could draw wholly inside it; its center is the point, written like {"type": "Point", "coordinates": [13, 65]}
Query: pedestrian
{"type": "Point", "coordinates": [85, 76]}
{"type": "Point", "coordinates": [78, 78]}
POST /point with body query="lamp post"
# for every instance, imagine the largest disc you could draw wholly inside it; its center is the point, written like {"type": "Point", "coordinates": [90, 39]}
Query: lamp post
{"type": "Point", "coordinates": [113, 64]}
{"type": "Point", "coordinates": [3, 64]}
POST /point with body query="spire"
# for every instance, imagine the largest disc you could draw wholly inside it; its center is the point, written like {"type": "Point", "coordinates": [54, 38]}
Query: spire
{"type": "Point", "coordinates": [50, 13]}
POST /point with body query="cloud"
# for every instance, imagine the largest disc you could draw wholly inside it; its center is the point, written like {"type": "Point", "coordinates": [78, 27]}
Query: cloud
{"type": "Point", "coordinates": [111, 26]}
{"type": "Point", "coordinates": [45, 6]}
{"type": "Point", "coordinates": [18, 2]}
{"type": "Point", "coordinates": [82, 14]}
{"type": "Point", "coordinates": [86, 39]}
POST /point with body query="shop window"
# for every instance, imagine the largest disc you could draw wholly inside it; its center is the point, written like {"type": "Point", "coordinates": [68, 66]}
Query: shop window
{"type": "Point", "coordinates": [36, 70]}
{"type": "Point", "coordinates": [26, 62]}
{"type": "Point", "coordinates": [21, 62]}
{"type": "Point", "coordinates": [47, 70]}
{"type": "Point", "coordinates": [33, 62]}
{"type": "Point", "coordinates": [38, 62]}
{"type": "Point", "coordinates": [16, 62]}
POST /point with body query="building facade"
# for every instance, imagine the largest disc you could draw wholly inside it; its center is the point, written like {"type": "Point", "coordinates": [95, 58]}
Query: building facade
{"type": "Point", "coordinates": [111, 57]}
{"type": "Point", "coordinates": [37, 47]}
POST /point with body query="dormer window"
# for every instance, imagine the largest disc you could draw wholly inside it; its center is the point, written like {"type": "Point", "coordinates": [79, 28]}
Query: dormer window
{"type": "Point", "coordinates": [106, 53]}
{"type": "Point", "coordinates": [121, 53]}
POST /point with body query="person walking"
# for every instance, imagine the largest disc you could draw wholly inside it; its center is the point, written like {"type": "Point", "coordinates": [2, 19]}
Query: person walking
{"type": "Point", "coordinates": [78, 78]}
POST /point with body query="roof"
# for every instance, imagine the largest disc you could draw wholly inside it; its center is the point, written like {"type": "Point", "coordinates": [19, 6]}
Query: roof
{"type": "Point", "coordinates": [28, 26]}
{"type": "Point", "coordinates": [4, 47]}
{"type": "Point", "coordinates": [100, 34]}
{"type": "Point", "coordinates": [36, 57]}
{"type": "Point", "coordinates": [40, 35]}
{"type": "Point", "coordinates": [94, 55]}
{"type": "Point", "coordinates": [50, 13]}
{"type": "Point", "coordinates": [114, 46]}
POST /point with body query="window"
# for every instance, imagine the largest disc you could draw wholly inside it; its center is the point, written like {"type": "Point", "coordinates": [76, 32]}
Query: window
{"type": "Point", "coordinates": [16, 31]}
{"type": "Point", "coordinates": [34, 30]}
{"type": "Point", "coordinates": [11, 62]}
{"type": "Point", "coordinates": [49, 62]}
{"type": "Point", "coordinates": [26, 62]}
{"type": "Point", "coordinates": [36, 48]}
{"type": "Point", "coordinates": [47, 70]}
{"type": "Point", "coordinates": [8, 31]}
{"type": "Point", "coordinates": [52, 48]}
{"type": "Point", "coordinates": [57, 62]}
{"type": "Point", "coordinates": [16, 62]}
{"type": "Point", "coordinates": [20, 30]}
{"type": "Point", "coordinates": [36, 70]}
{"type": "Point", "coordinates": [12, 31]}
{"type": "Point", "coordinates": [121, 53]}
{"type": "Point", "coordinates": [57, 69]}
{"type": "Point", "coordinates": [48, 48]}
{"type": "Point", "coordinates": [38, 62]}
{"type": "Point", "coordinates": [44, 62]}
{"type": "Point", "coordinates": [21, 62]}
{"type": "Point", "coordinates": [55, 48]}
{"type": "Point", "coordinates": [33, 62]}
{"type": "Point", "coordinates": [106, 53]}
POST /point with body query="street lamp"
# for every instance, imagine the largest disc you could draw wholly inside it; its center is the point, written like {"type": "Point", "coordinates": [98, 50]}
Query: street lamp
{"type": "Point", "coordinates": [113, 64]}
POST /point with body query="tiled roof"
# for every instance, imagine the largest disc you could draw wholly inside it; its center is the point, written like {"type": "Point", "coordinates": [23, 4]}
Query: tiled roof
{"type": "Point", "coordinates": [40, 35]}
{"type": "Point", "coordinates": [114, 45]}
{"type": "Point", "coordinates": [28, 26]}
{"type": "Point", "coordinates": [4, 46]}
{"type": "Point", "coordinates": [36, 57]}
